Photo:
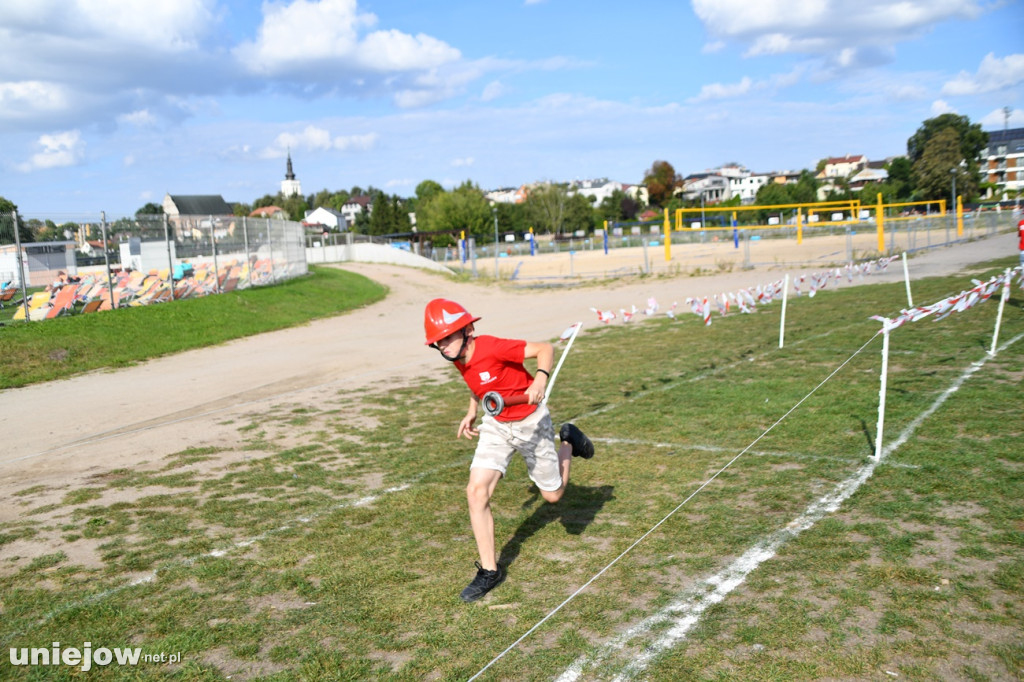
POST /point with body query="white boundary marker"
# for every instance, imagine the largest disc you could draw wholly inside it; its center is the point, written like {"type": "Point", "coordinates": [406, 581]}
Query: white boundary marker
{"type": "Point", "coordinates": [785, 299]}
{"type": "Point", "coordinates": [886, 328]}
{"type": "Point", "coordinates": [554, 375]}
{"type": "Point", "coordinates": [683, 614]}
{"type": "Point", "coordinates": [999, 315]}
{"type": "Point", "coordinates": [906, 278]}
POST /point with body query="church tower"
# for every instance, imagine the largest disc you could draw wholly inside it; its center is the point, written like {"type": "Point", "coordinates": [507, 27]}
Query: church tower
{"type": "Point", "coordinates": [290, 186]}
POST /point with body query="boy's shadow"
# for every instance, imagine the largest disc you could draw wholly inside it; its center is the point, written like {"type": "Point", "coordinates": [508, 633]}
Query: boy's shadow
{"type": "Point", "coordinates": [575, 511]}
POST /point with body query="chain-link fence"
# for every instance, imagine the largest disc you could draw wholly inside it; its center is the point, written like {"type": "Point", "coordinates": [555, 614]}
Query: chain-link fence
{"type": "Point", "coordinates": [638, 247]}
{"type": "Point", "coordinates": [145, 259]}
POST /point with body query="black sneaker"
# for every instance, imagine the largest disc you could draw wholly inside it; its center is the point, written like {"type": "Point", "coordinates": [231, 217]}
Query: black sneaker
{"type": "Point", "coordinates": [484, 582]}
{"type": "Point", "coordinates": [581, 445]}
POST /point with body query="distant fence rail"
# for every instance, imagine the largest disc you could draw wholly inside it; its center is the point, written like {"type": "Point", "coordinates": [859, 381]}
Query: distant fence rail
{"type": "Point", "coordinates": [147, 259]}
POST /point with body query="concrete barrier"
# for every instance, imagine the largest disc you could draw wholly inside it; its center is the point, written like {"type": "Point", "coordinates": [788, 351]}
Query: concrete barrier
{"type": "Point", "coordinates": [371, 253]}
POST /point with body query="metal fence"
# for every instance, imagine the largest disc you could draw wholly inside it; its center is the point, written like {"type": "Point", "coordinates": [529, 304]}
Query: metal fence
{"type": "Point", "coordinates": [149, 259]}
{"type": "Point", "coordinates": [744, 246]}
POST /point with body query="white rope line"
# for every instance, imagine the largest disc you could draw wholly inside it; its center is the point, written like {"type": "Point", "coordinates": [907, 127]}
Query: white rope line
{"type": "Point", "coordinates": [670, 514]}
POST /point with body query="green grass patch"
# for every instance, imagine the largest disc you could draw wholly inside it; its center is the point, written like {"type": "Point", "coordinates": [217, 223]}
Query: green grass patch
{"type": "Point", "coordinates": [332, 542]}
{"type": "Point", "coordinates": [65, 346]}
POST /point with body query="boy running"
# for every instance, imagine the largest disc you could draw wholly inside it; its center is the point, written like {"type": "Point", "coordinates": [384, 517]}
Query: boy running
{"type": "Point", "coordinates": [488, 363]}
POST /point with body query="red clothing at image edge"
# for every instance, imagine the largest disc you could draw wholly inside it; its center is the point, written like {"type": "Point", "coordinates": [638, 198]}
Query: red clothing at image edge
{"type": "Point", "coordinates": [1020, 233]}
{"type": "Point", "coordinates": [497, 365]}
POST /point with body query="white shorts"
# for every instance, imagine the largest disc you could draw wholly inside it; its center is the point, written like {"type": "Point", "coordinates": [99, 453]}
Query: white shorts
{"type": "Point", "coordinates": [532, 437]}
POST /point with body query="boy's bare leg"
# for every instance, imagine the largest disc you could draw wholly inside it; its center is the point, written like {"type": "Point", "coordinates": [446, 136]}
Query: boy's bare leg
{"type": "Point", "coordinates": [564, 462]}
{"type": "Point", "coordinates": [479, 491]}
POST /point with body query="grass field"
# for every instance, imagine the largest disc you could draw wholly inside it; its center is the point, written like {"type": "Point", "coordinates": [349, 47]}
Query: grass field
{"type": "Point", "coordinates": [52, 349]}
{"type": "Point", "coordinates": [333, 541]}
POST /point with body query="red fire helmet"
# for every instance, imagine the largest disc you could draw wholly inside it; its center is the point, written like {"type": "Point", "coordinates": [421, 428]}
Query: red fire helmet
{"type": "Point", "coordinates": [443, 317]}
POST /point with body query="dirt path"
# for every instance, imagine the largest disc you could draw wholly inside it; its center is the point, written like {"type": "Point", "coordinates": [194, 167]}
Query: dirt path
{"type": "Point", "coordinates": [59, 433]}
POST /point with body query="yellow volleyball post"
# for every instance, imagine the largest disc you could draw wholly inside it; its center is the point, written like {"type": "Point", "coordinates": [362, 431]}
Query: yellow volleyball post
{"type": "Point", "coordinates": [942, 207]}
{"type": "Point", "coordinates": [799, 226]}
{"type": "Point", "coordinates": [959, 216]}
{"type": "Point", "coordinates": [668, 239]}
{"type": "Point", "coordinates": [880, 220]}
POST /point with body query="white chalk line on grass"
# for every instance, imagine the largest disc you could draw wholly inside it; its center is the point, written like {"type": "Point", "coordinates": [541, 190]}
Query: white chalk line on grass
{"type": "Point", "coordinates": [671, 513]}
{"type": "Point", "coordinates": [755, 453]}
{"type": "Point", "coordinates": [685, 613]}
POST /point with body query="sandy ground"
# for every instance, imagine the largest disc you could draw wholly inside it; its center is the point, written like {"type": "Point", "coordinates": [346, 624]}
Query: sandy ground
{"type": "Point", "coordinates": [60, 433]}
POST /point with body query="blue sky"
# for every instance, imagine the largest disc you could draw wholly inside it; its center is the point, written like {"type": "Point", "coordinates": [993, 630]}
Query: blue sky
{"type": "Point", "coordinates": [109, 104]}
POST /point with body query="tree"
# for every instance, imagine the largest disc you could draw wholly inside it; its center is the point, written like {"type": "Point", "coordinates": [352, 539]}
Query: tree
{"type": "Point", "coordinates": [464, 208]}
{"type": "Point", "coordinates": [546, 205]}
{"type": "Point", "coordinates": [661, 181]}
{"type": "Point", "coordinates": [961, 144]}
{"type": "Point", "coordinates": [970, 137]}
{"type": "Point", "coordinates": [150, 209]}
{"type": "Point", "coordinates": [7, 208]}
{"type": "Point", "coordinates": [294, 206]}
{"type": "Point", "coordinates": [900, 170]}
{"type": "Point", "coordinates": [427, 190]}
{"type": "Point", "coordinates": [265, 200]}
{"type": "Point", "coordinates": [931, 172]}
{"type": "Point", "coordinates": [579, 213]}
{"type": "Point", "coordinates": [805, 190]}
{"type": "Point", "coordinates": [389, 216]}
{"type": "Point", "coordinates": [321, 198]}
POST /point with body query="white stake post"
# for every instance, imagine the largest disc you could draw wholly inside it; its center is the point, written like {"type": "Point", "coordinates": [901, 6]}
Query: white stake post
{"type": "Point", "coordinates": [999, 315]}
{"type": "Point", "coordinates": [906, 278]}
{"type": "Point", "coordinates": [782, 323]}
{"type": "Point", "coordinates": [554, 375]}
{"type": "Point", "coordinates": [881, 391]}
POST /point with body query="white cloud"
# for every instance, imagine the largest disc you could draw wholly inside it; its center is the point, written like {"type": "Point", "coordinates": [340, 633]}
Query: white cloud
{"type": "Point", "coordinates": [164, 25]}
{"type": "Point", "coordinates": [307, 33]}
{"type": "Point", "coordinates": [59, 150]}
{"type": "Point", "coordinates": [317, 139]}
{"type": "Point", "coordinates": [128, 161]}
{"type": "Point", "coordinates": [492, 91]}
{"type": "Point", "coordinates": [993, 74]}
{"type": "Point", "coordinates": [940, 107]}
{"type": "Point", "coordinates": [713, 47]}
{"type": "Point", "coordinates": [463, 163]}
{"type": "Point", "coordinates": [829, 28]}
{"type": "Point", "coordinates": [25, 100]}
{"type": "Point", "coordinates": [141, 118]}
{"type": "Point", "coordinates": [997, 119]}
{"type": "Point", "coordinates": [721, 90]}
{"type": "Point", "coordinates": [359, 143]}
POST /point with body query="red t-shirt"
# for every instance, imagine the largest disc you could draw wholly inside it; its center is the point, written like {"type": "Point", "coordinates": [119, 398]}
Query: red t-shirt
{"type": "Point", "coordinates": [497, 365]}
{"type": "Point", "coordinates": [1020, 233]}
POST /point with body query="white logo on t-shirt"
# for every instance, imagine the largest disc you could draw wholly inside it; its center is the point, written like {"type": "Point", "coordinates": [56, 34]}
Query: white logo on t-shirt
{"type": "Point", "coordinates": [486, 378]}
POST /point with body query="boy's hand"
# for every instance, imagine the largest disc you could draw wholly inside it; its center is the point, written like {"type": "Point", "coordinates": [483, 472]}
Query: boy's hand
{"type": "Point", "coordinates": [536, 389]}
{"type": "Point", "coordinates": [466, 428]}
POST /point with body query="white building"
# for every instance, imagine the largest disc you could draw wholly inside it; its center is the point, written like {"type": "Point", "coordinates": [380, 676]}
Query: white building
{"type": "Point", "coordinates": [709, 187]}
{"type": "Point", "coordinates": [354, 207]}
{"type": "Point", "coordinates": [1002, 163]}
{"type": "Point", "coordinates": [599, 189]}
{"type": "Point", "coordinates": [746, 187]}
{"type": "Point", "coordinates": [328, 217]}
{"type": "Point", "coordinates": [290, 186]}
